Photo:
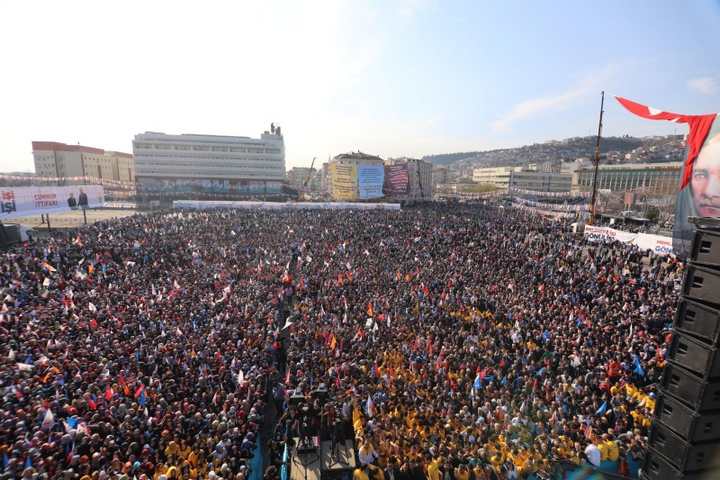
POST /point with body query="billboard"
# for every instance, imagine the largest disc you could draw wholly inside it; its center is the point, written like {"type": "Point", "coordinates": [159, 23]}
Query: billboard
{"type": "Point", "coordinates": [699, 194]}
{"type": "Point", "coordinates": [25, 201]}
{"type": "Point", "coordinates": [397, 179]}
{"type": "Point", "coordinates": [658, 244]}
{"type": "Point", "coordinates": [343, 180]}
{"type": "Point", "coordinates": [370, 181]}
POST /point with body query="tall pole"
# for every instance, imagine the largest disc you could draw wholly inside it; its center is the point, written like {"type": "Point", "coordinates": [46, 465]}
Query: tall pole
{"type": "Point", "coordinates": [597, 161]}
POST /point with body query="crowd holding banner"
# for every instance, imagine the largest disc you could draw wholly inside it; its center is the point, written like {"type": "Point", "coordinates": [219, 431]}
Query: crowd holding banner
{"type": "Point", "coordinates": [658, 244]}
{"type": "Point", "coordinates": [464, 341]}
{"type": "Point", "coordinates": [556, 207]}
{"type": "Point", "coordinates": [535, 193]}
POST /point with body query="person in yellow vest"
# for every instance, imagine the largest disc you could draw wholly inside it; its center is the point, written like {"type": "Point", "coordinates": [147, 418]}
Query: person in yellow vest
{"type": "Point", "coordinates": [361, 473]}
{"type": "Point", "coordinates": [462, 472]}
{"type": "Point", "coordinates": [433, 469]}
{"type": "Point", "coordinates": [613, 449]}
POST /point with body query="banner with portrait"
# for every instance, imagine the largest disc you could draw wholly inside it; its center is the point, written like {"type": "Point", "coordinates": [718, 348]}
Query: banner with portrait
{"type": "Point", "coordinates": [26, 201]}
{"type": "Point", "coordinates": [699, 190]}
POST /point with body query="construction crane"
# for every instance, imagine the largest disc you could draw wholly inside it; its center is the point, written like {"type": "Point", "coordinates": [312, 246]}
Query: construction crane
{"type": "Point", "coordinates": [303, 189]}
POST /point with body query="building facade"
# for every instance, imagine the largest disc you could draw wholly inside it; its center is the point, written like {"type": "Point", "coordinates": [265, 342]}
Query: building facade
{"type": "Point", "coordinates": [540, 181]}
{"type": "Point", "coordinates": [439, 176]}
{"type": "Point", "coordinates": [297, 176]}
{"type": "Point", "coordinates": [196, 166]}
{"type": "Point", "coordinates": [496, 176]}
{"type": "Point", "coordinates": [649, 178]}
{"type": "Point", "coordinates": [55, 159]}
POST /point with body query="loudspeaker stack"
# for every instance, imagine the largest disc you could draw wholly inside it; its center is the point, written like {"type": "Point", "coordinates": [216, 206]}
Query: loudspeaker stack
{"type": "Point", "coordinates": [684, 441]}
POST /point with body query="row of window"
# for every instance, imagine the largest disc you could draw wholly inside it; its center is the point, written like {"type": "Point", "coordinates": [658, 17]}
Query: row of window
{"type": "Point", "coordinates": [205, 148]}
{"type": "Point", "coordinates": [195, 158]}
{"type": "Point", "coordinates": [223, 165]}
{"type": "Point", "coordinates": [203, 174]}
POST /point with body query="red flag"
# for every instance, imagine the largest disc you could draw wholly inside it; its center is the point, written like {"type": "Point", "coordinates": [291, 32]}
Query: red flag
{"type": "Point", "coordinates": [139, 390]}
{"type": "Point", "coordinates": [699, 128]}
{"type": "Point", "coordinates": [91, 403]}
{"type": "Point", "coordinates": [108, 393]}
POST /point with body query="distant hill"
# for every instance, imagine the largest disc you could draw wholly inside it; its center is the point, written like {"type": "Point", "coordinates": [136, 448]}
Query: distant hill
{"type": "Point", "coordinates": [668, 148]}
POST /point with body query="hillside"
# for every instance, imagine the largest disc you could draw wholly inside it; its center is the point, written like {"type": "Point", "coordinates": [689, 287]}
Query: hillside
{"type": "Point", "coordinates": [614, 149]}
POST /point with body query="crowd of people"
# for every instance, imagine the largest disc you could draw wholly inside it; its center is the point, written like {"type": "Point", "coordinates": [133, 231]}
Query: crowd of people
{"type": "Point", "coordinates": [459, 342]}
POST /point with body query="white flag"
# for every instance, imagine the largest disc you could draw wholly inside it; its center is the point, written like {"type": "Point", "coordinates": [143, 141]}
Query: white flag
{"type": "Point", "coordinates": [49, 420]}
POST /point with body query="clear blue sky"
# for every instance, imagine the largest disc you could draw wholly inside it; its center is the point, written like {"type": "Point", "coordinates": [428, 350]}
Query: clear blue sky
{"type": "Point", "coordinates": [406, 77]}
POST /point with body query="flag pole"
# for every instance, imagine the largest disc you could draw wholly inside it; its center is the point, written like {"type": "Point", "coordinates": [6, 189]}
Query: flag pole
{"type": "Point", "coordinates": [596, 161]}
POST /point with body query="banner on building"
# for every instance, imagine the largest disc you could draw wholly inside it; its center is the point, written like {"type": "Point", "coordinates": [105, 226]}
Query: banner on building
{"type": "Point", "coordinates": [699, 194]}
{"type": "Point", "coordinates": [343, 180]}
{"type": "Point", "coordinates": [397, 179]}
{"type": "Point", "coordinates": [645, 241]}
{"type": "Point", "coordinates": [25, 201]}
{"type": "Point", "coordinates": [370, 181]}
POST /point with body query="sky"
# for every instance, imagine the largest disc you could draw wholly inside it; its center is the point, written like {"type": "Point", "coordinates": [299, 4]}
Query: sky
{"type": "Point", "coordinates": [388, 77]}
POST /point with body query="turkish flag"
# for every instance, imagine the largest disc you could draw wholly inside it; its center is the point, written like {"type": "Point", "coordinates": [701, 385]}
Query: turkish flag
{"type": "Point", "coordinates": [699, 128]}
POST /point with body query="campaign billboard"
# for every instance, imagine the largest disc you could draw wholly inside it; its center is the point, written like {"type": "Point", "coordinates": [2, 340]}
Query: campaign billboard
{"type": "Point", "coordinates": [370, 181]}
{"type": "Point", "coordinates": [25, 201]}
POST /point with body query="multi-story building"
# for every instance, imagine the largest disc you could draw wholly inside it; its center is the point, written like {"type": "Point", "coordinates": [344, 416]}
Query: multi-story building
{"type": "Point", "coordinates": [343, 174]}
{"type": "Point", "coordinates": [497, 176]}
{"type": "Point", "coordinates": [439, 176]}
{"type": "Point", "coordinates": [540, 181]}
{"type": "Point", "coordinates": [297, 176]}
{"type": "Point", "coordinates": [649, 178]}
{"type": "Point", "coordinates": [198, 166]}
{"type": "Point", "coordinates": [55, 159]}
{"type": "Point", "coordinates": [420, 178]}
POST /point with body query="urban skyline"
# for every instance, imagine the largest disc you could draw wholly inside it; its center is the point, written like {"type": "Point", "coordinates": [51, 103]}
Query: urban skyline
{"type": "Point", "coordinates": [406, 78]}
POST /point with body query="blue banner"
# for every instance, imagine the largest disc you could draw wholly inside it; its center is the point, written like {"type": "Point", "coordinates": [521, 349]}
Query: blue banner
{"type": "Point", "coordinates": [370, 181]}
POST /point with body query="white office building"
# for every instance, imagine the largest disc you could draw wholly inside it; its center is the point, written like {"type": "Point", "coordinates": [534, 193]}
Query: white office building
{"type": "Point", "coordinates": [192, 165]}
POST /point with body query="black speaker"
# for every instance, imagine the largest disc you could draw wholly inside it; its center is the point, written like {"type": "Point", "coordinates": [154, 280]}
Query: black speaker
{"type": "Point", "coordinates": [698, 320]}
{"type": "Point", "coordinates": [683, 455]}
{"type": "Point", "coordinates": [685, 422]}
{"type": "Point", "coordinates": [689, 388]}
{"type": "Point", "coordinates": [706, 248]}
{"type": "Point", "coordinates": [658, 467]}
{"type": "Point", "coordinates": [702, 284]}
{"type": "Point", "coordinates": [695, 355]}
{"type": "Point", "coordinates": [684, 438]}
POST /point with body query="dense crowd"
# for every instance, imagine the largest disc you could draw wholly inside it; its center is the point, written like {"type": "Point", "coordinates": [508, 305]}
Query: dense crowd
{"type": "Point", "coordinates": [463, 342]}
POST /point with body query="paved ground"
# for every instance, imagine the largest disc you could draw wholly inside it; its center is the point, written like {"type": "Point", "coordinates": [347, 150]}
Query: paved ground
{"type": "Point", "coordinates": [73, 219]}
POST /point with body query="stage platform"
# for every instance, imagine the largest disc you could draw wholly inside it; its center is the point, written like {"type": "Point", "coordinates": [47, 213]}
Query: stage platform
{"type": "Point", "coordinates": [321, 464]}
